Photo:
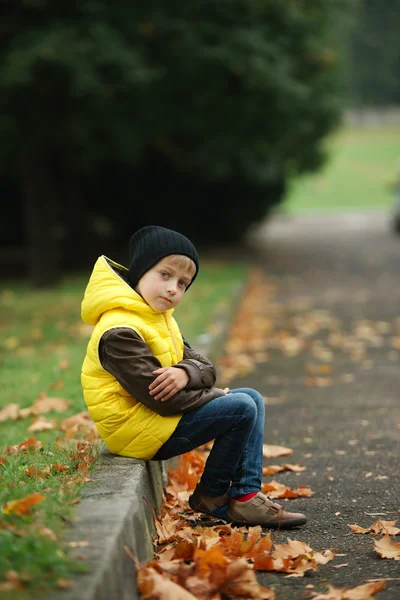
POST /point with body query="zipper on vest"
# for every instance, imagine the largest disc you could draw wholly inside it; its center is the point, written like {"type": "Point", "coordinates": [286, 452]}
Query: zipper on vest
{"type": "Point", "coordinates": [172, 336]}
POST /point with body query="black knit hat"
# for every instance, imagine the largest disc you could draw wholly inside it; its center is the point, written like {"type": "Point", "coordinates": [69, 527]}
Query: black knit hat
{"type": "Point", "coordinates": [150, 244]}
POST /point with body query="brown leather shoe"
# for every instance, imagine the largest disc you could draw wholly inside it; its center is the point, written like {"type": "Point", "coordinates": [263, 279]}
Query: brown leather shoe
{"type": "Point", "coordinates": [259, 510]}
{"type": "Point", "coordinates": [210, 505]}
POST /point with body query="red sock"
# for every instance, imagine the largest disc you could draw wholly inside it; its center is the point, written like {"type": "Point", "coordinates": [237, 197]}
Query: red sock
{"type": "Point", "coordinates": [245, 497]}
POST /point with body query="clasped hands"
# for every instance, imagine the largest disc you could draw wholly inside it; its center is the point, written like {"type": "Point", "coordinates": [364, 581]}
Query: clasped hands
{"type": "Point", "coordinates": [168, 382]}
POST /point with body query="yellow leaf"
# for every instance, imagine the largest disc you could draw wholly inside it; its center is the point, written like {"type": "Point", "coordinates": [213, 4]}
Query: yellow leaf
{"type": "Point", "coordinates": [23, 506]}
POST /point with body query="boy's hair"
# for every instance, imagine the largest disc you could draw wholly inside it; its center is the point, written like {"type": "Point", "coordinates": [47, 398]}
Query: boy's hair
{"type": "Point", "coordinates": [184, 262]}
{"type": "Point", "coordinates": [150, 244]}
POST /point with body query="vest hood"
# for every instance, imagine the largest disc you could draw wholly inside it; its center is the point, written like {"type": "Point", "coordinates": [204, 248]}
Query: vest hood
{"type": "Point", "coordinates": [107, 289]}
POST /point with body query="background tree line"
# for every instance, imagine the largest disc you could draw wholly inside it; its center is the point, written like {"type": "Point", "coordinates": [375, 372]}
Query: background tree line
{"type": "Point", "coordinates": [194, 116]}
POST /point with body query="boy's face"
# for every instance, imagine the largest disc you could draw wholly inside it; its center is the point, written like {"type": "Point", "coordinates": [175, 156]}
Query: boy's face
{"type": "Point", "coordinates": [163, 286]}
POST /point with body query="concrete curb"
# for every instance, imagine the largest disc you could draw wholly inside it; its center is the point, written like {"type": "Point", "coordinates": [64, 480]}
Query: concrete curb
{"type": "Point", "coordinates": [116, 508]}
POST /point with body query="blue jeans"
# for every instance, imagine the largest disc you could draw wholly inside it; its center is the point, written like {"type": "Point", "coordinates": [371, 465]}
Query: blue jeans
{"type": "Point", "coordinates": [236, 423]}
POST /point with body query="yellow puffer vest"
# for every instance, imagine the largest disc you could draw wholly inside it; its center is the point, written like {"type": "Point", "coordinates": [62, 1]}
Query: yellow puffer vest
{"type": "Point", "coordinates": [127, 427]}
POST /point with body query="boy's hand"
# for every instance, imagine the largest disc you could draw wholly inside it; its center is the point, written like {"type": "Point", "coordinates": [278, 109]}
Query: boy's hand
{"type": "Point", "coordinates": [226, 391]}
{"type": "Point", "coordinates": [168, 382]}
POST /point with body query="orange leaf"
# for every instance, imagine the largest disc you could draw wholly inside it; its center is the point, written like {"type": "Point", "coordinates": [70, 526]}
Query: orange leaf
{"type": "Point", "coordinates": [184, 550]}
{"type": "Point", "coordinates": [22, 506]}
{"type": "Point", "coordinates": [58, 468]}
{"type": "Point", "coordinates": [274, 489]}
{"type": "Point", "coordinates": [33, 473]}
{"type": "Point", "coordinates": [30, 444]}
{"type": "Point", "coordinates": [187, 473]}
{"type": "Point", "coordinates": [207, 560]}
{"type": "Point", "coordinates": [387, 549]}
{"type": "Point", "coordinates": [263, 562]}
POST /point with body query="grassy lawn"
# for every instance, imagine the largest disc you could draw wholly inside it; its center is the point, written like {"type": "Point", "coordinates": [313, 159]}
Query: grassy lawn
{"type": "Point", "coordinates": [362, 166]}
{"type": "Point", "coordinates": [42, 345]}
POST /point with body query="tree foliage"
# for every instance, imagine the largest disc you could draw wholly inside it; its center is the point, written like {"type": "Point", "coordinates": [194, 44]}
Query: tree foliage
{"type": "Point", "coordinates": [373, 69]}
{"type": "Point", "coordinates": [236, 94]}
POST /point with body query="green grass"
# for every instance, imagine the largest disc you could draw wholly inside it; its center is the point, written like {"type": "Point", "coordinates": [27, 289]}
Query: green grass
{"type": "Point", "coordinates": [363, 165]}
{"type": "Point", "coordinates": [42, 346]}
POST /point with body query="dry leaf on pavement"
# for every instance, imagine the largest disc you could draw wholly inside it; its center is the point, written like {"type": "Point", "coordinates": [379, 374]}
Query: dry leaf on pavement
{"type": "Point", "coordinates": [361, 592]}
{"type": "Point", "coordinates": [241, 582]}
{"type": "Point", "coordinates": [154, 586]}
{"type": "Point", "coordinates": [275, 451]}
{"type": "Point", "coordinates": [167, 528]}
{"type": "Point", "coordinates": [274, 489]}
{"type": "Point", "coordinates": [273, 469]}
{"type": "Point", "coordinates": [378, 528]}
{"type": "Point", "coordinates": [387, 549]}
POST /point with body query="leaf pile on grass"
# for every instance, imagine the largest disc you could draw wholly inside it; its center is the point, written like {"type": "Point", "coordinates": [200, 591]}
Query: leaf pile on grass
{"type": "Point", "coordinates": [40, 484]}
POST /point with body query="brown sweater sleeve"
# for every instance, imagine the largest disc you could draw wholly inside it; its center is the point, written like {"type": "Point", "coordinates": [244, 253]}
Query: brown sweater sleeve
{"type": "Point", "coordinates": [124, 354]}
{"type": "Point", "coordinates": [201, 371]}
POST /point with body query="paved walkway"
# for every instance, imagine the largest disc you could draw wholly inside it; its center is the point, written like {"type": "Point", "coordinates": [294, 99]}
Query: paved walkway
{"type": "Point", "coordinates": [346, 434]}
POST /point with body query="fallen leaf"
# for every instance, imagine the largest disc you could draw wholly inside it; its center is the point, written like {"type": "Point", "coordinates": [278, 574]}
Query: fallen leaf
{"type": "Point", "coordinates": [378, 528]}
{"type": "Point", "coordinates": [31, 444]}
{"type": "Point", "coordinates": [78, 544]}
{"type": "Point", "coordinates": [387, 549]}
{"type": "Point", "coordinates": [49, 533]}
{"type": "Point", "coordinates": [274, 489]}
{"type": "Point", "coordinates": [9, 412]}
{"type": "Point", "coordinates": [59, 468]}
{"type": "Point", "coordinates": [41, 424]}
{"type": "Point", "coordinates": [45, 404]}
{"type": "Point", "coordinates": [64, 584]}
{"type": "Point", "coordinates": [270, 451]}
{"type": "Point", "coordinates": [154, 586]}
{"type": "Point", "coordinates": [13, 582]}
{"type": "Point", "coordinates": [34, 473]}
{"type": "Point", "coordinates": [273, 469]}
{"type": "Point", "coordinates": [80, 422]}
{"type": "Point", "coordinates": [241, 582]}
{"type": "Point", "coordinates": [23, 506]}
{"type": "Point", "coordinates": [361, 592]}
{"type": "Point", "coordinates": [167, 527]}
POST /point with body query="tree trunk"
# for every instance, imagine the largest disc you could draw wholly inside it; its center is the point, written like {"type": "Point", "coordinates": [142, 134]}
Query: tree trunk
{"type": "Point", "coordinates": [41, 218]}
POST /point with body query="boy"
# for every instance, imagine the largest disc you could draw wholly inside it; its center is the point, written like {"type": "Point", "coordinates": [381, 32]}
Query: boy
{"type": "Point", "coordinates": [152, 397]}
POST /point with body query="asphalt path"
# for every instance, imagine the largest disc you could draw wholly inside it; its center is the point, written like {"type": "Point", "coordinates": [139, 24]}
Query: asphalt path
{"type": "Point", "coordinates": [341, 272]}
